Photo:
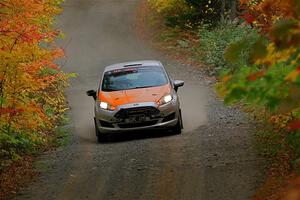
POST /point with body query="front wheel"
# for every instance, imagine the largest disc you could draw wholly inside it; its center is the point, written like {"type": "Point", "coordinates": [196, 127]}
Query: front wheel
{"type": "Point", "coordinates": [100, 137]}
{"type": "Point", "coordinates": [178, 127]}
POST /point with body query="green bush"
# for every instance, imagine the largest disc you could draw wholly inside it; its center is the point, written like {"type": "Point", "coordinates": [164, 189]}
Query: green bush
{"type": "Point", "coordinates": [190, 13]}
{"type": "Point", "coordinates": [205, 11]}
{"type": "Point", "coordinates": [214, 42]}
{"type": "Point", "coordinates": [12, 146]}
{"type": "Point", "coordinates": [293, 141]}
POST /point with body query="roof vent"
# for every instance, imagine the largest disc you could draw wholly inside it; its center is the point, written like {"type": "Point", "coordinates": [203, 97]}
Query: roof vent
{"type": "Point", "coordinates": [133, 65]}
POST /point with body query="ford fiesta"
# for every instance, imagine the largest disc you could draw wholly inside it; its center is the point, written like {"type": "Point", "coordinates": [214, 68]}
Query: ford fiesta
{"type": "Point", "coordinates": [136, 96]}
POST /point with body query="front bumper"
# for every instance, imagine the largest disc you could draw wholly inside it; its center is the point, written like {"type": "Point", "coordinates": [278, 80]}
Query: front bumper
{"type": "Point", "coordinates": [163, 125]}
{"type": "Point", "coordinates": [168, 117]}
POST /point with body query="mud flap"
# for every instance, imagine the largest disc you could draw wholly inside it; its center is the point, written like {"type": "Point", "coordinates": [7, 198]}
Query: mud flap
{"type": "Point", "coordinates": [96, 127]}
{"type": "Point", "coordinates": [181, 122]}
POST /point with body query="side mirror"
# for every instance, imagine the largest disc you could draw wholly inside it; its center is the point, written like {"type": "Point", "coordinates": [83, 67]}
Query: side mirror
{"type": "Point", "coordinates": [177, 84]}
{"type": "Point", "coordinates": [92, 93]}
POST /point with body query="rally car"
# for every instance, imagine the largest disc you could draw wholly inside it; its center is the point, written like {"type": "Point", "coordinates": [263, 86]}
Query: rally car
{"type": "Point", "coordinates": [136, 96]}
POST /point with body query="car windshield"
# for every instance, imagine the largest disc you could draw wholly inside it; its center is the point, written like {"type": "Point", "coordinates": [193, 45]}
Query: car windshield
{"type": "Point", "coordinates": [133, 78]}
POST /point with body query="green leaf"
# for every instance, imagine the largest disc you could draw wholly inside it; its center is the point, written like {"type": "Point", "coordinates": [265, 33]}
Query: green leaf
{"type": "Point", "coordinates": [73, 75]}
{"type": "Point", "coordinates": [281, 32]}
{"type": "Point", "coordinates": [233, 53]}
{"type": "Point", "coordinates": [235, 95]}
{"type": "Point", "coordinates": [259, 49]}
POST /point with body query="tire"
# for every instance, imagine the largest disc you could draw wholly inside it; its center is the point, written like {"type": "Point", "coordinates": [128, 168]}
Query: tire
{"type": "Point", "coordinates": [100, 137]}
{"type": "Point", "coordinates": [179, 126]}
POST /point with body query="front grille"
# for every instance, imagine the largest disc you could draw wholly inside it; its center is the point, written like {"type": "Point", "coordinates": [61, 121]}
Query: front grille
{"type": "Point", "coordinates": [106, 124]}
{"type": "Point", "coordinates": [148, 111]}
{"type": "Point", "coordinates": [169, 117]}
{"type": "Point", "coordinates": [136, 125]}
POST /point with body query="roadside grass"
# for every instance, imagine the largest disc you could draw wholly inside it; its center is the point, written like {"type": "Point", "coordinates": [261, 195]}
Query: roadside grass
{"type": "Point", "coordinates": [17, 172]}
{"type": "Point", "coordinates": [271, 143]}
{"type": "Point", "coordinates": [61, 135]}
{"type": "Point", "coordinates": [205, 48]}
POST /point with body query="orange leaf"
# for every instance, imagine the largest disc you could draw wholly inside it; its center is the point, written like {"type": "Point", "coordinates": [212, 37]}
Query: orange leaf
{"type": "Point", "coordinates": [295, 125]}
{"type": "Point", "coordinates": [254, 76]}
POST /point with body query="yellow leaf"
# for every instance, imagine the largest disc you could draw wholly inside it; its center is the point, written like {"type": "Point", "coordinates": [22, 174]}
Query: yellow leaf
{"type": "Point", "coordinates": [292, 76]}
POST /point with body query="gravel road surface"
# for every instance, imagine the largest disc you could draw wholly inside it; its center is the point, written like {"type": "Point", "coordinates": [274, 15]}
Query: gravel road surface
{"type": "Point", "coordinates": [214, 158]}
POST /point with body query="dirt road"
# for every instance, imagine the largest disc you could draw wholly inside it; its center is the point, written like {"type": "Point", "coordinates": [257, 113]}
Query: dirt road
{"type": "Point", "coordinates": [213, 159]}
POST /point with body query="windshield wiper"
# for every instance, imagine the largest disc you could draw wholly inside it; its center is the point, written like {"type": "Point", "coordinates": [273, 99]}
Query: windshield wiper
{"type": "Point", "coordinates": [109, 90]}
{"type": "Point", "coordinates": [112, 90]}
{"type": "Point", "coordinates": [142, 87]}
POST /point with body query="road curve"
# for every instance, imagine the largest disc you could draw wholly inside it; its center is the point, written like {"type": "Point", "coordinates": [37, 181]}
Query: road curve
{"type": "Point", "coordinates": [214, 158]}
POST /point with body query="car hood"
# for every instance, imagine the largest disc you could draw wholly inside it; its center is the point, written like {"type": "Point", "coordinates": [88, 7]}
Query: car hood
{"type": "Point", "coordinates": [151, 94]}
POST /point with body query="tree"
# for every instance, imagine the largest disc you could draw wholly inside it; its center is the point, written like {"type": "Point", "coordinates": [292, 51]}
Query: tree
{"type": "Point", "coordinates": [31, 82]}
{"type": "Point", "coordinates": [272, 81]}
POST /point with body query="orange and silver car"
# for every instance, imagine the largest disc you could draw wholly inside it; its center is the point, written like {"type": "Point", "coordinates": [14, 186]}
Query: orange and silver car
{"type": "Point", "coordinates": [136, 96]}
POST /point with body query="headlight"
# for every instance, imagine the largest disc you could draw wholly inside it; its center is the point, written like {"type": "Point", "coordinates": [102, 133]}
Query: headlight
{"type": "Point", "coordinates": [165, 99]}
{"type": "Point", "coordinates": [106, 106]}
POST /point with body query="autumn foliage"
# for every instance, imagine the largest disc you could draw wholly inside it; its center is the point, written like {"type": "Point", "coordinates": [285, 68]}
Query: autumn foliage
{"type": "Point", "coordinates": [31, 81]}
{"type": "Point", "coordinates": [264, 13]}
{"type": "Point", "coordinates": [271, 82]}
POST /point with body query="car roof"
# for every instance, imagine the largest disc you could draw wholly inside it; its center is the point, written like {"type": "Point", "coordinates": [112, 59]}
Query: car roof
{"type": "Point", "coordinates": [141, 63]}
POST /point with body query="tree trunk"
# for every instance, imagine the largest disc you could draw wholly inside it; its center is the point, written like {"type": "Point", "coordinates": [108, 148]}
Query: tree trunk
{"type": "Point", "coordinates": [223, 9]}
{"type": "Point", "coordinates": [233, 9]}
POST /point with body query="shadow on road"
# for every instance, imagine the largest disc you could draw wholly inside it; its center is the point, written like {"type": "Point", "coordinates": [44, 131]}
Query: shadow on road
{"type": "Point", "coordinates": [130, 136]}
